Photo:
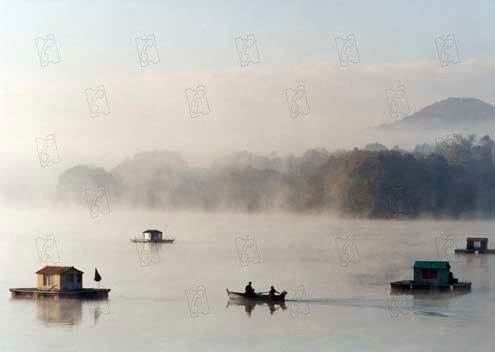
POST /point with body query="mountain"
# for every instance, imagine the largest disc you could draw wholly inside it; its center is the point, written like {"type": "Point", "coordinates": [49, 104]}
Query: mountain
{"type": "Point", "coordinates": [469, 114]}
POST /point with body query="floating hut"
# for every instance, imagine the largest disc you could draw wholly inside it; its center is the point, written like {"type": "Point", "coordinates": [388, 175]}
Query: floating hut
{"type": "Point", "coordinates": [153, 236]}
{"type": "Point", "coordinates": [60, 281]}
{"type": "Point", "coordinates": [431, 275]}
{"type": "Point", "coordinates": [476, 245]}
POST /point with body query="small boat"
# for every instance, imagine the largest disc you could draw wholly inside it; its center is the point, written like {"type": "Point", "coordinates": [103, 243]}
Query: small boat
{"type": "Point", "coordinates": [259, 297]}
{"type": "Point", "coordinates": [153, 236]}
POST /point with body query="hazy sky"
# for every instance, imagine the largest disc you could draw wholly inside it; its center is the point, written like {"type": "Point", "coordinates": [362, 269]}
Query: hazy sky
{"type": "Point", "coordinates": [53, 89]}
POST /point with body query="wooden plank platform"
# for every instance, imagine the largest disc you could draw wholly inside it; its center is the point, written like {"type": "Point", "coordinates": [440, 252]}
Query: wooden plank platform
{"type": "Point", "coordinates": [138, 240]}
{"type": "Point", "coordinates": [472, 251]}
{"type": "Point", "coordinates": [409, 285]}
{"type": "Point", "coordinates": [92, 293]}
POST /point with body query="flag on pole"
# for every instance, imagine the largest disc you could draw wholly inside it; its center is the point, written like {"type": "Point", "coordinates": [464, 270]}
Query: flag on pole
{"type": "Point", "coordinates": [97, 275]}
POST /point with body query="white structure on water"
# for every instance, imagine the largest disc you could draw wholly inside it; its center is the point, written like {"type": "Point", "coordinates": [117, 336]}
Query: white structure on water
{"type": "Point", "coordinates": [152, 235]}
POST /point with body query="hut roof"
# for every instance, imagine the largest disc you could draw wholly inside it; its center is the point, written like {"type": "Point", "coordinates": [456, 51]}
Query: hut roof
{"type": "Point", "coordinates": [476, 239]}
{"type": "Point", "coordinates": [52, 270]}
{"type": "Point", "coordinates": [152, 231]}
{"type": "Point", "coordinates": [431, 265]}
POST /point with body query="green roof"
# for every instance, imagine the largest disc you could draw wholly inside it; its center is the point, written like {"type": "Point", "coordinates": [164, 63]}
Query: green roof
{"type": "Point", "coordinates": [431, 265]}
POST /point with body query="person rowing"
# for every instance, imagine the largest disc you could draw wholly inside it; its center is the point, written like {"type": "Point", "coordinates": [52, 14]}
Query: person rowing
{"type": "Point", "coordinates": [272, 292]}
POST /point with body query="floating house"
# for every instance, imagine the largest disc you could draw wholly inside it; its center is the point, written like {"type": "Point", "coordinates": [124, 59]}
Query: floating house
{"type": "Point", "coordinates": [476, 245]}
{"type": "Point", "coordinates": [59, 278]}
{"type": "Point", "coordinates": [153, 236]}
{"type": "Point", "coordinates": [431, 275]}
{"type": "Point", "coordinates": [60, 281]}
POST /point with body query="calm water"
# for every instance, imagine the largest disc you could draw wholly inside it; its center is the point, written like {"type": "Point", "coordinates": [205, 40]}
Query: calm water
{"type": "Point", "coordinates": [172, 297]}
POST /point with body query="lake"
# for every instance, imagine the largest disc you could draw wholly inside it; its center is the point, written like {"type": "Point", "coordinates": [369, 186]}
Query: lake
{"type": "Point", "coordinates": [173, 297]}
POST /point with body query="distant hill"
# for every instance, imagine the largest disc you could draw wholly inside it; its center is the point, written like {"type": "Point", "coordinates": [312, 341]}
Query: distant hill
{"type": "Point", "coordinates": [469, 114]}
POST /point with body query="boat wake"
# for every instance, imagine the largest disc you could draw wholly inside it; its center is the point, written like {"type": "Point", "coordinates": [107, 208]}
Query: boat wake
{"type": "Point", "coordinates": [394, 305]}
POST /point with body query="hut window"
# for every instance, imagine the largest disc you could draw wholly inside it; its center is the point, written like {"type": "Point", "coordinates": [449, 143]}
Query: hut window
{"type": "Point", "coordinates": [477, 244]}
{"type": "Point", "coordinates": [429, 274]}
{"type": "Point", "coordinates": [79, 278]}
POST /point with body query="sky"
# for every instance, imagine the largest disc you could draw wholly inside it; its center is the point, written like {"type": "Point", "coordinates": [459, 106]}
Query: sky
{"type": "Point", "coordinates": [125, 76]}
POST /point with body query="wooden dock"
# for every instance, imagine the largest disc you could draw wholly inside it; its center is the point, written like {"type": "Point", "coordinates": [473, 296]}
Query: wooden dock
{"type": "Point", "coordinates": [139, 240]}
{"type": "Point", "coordinates": [409, 285]}
{"type": "Point", "coordinates": [89, 293]}
{"type": "Point", "coordinates": [472, 251]}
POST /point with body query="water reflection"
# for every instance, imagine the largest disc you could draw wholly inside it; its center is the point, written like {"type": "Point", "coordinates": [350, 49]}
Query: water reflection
{"type": "Point", "coordinates": [423, 303]}
{"type": "Point", "coordinates": [59, 311]}
{"type": "Point", "coordinates": [67, 311]}
{"type": "Point", "coordinates": [249, 306]}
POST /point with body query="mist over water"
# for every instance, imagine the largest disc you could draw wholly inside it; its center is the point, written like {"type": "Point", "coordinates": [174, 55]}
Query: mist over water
{"type": "Point", "coordinates": [321, 147]}
{"type": "Point", "coordinates": [338, 290]}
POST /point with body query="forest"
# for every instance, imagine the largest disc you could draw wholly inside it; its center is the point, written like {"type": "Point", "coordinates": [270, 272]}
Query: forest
{"type": "Point", "coordinates": [454, 177]}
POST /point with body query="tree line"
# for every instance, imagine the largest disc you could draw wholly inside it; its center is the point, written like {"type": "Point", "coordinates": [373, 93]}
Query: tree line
{"type": "Point", "coordinates": [454, 177]}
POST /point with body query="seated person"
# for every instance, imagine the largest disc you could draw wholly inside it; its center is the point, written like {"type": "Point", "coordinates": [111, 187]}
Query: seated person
{"type": "Point", "coordinates": [249, 290]}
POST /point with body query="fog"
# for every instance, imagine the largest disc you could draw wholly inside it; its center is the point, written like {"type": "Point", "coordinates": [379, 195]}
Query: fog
{"type": "Point", "coordinates": [248, 112]}
{"type": "Point", "coordinates": [147, 107]}
{"type": "Point", "coordinates": [251, 133]}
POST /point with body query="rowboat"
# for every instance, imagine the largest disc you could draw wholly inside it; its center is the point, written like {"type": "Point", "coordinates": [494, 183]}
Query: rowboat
{"type": "Point", "coordinates": [259, 297]}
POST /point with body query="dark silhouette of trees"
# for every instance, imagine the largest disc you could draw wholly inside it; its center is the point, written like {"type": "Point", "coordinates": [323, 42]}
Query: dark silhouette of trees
{"type": "Point", "coordinates": [452, 178]}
